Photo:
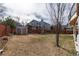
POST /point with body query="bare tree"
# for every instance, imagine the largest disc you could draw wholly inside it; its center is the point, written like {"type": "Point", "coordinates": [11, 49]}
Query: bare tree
{"type": "Point", "coordinates": [57, 12]}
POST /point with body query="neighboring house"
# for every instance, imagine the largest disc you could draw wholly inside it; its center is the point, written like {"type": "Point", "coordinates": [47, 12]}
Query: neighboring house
{"type": "Point", "coordinates": [38, 26]}
{"type": "Point", "coordinates": [67, 29]}
{"type": "Point", "coordinates": [45, 25]}
{"type": "Point", "coordinates": [34, 27]}
{"type": "Point", "coordinates": [20, 29]}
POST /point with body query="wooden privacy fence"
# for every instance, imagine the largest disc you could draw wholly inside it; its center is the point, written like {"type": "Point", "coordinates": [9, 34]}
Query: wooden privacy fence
{"type": "Point", "coordinates": [4, 30]}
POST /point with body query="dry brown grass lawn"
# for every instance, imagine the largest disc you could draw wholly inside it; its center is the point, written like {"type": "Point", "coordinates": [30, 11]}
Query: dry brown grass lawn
{"type": "Point", "coordinates": [39, 45]}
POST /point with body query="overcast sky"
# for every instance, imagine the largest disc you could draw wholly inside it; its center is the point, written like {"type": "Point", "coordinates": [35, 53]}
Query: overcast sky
{"type": "Point", "coordinates": [23, 9]}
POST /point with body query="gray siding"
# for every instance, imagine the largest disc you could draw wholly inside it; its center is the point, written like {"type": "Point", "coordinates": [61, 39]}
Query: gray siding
{"type": "Point", "coordinates": [40, 24]}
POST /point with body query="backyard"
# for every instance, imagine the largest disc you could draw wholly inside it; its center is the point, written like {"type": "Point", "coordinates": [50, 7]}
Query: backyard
{"type": "Point", "coordinates": [39, 45]}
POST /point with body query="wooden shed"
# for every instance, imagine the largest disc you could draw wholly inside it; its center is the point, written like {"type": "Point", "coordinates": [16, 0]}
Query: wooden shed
{"type": "Point", "coordinates": [20, 30]}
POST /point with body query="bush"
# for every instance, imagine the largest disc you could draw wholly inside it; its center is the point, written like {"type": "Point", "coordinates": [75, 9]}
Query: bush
{"type": "Point", "coordinates": [8, 21]}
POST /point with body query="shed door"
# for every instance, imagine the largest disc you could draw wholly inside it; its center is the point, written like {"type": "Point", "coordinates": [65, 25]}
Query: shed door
{"type": "Point", "coordinates": [18, 31]}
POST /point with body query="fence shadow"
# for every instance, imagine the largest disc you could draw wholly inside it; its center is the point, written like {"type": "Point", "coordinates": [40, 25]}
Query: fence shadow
{"type": "Point", "coordinates": [69, 51]}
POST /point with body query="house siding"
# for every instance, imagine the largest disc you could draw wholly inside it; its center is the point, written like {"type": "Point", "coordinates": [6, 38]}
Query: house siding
{"type": "Point", "coordinates": [37, 27]}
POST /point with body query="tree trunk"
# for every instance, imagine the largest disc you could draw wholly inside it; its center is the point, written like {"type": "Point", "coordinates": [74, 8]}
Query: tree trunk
{"type": "Point", "coordinates": [57, 34]}
{"type": "Point", "coordinates": [57, 39]}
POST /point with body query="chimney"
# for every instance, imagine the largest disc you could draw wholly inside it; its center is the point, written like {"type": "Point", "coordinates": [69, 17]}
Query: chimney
{"type": "Point", "coordinates": [41, 20]}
